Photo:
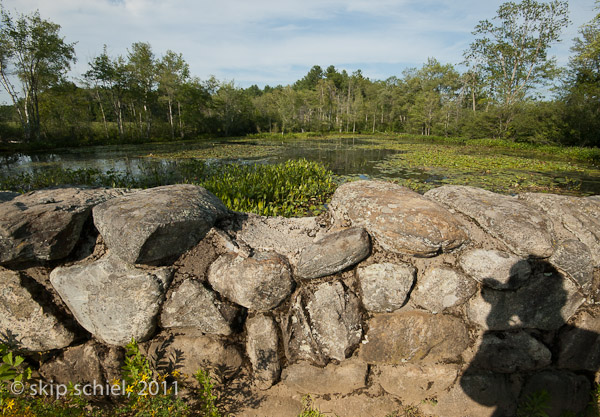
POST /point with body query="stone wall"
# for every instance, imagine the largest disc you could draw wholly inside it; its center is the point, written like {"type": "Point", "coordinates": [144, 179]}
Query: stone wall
{"type": "Point", "coordinates": [460, 302]}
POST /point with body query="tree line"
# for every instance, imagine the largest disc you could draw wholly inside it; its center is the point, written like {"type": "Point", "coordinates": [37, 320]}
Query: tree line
{"type": "Point", "coordinates": [140, 96]}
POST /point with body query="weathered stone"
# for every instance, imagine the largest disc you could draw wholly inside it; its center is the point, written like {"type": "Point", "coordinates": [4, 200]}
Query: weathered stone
{"type": "Point", "coordinates": [85, 364]}
{"type": "Point", "coordinates": [579, 343]}
{"type": "Point", "coordinates": [193, 306]}
{"type": "Point", "coordinates": [481, 394]}
{"type": "Point", "coordinates": [362, 404]}
{"type": "Point", "coordinates": [397, 338]}
{"type": "Point", "coordinates": [262, 343]}
{"type": "Point", "coordinates": [413, 383]}
{"type": "Point", "coordinates": [440, 288]}
{"type": "Point", "coordinates": [188, 353]}
{"type": "Point", "coordinates": [501, 270]}
{"type": "Point", "coordinates": [152, 225]}
{"type": "Point", "coordinates": [546, 302]}
{"type": "Point", "coordinates": [46, 224]}
{"type": "Point", "coordinates": [322, 325]}
{"type": "Point", "coordinates": [567, 392]}
{"type": "Point", "coordinates": [259, 283]}
{"type": "Point", "coordinates": [344, 378]}
{"type": "Point", "coordinates": [522, 228]}
{"type": "Point", "coordinates": [333, 253]}
{"type": "Point", "coordinates": [31, 325]}
{"type": "Point", "coordinates": [401, 220]}
{"type": "Point", "coordinates": [111, 299]}
{"type": "Point", "coordinates": [576, 260]}
{"type": "Point", "coordinates": [511, 352]}
{"type": "Point", "coordinates": [385, 287]}
{"type": "Point", "coordinates": [580, 216]}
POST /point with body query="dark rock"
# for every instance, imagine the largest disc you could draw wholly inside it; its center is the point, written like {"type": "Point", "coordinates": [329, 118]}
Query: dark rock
{"type": "Point", "coordinates": [579, 343]}
{"type": "Point", "coordinates": [566, 392]}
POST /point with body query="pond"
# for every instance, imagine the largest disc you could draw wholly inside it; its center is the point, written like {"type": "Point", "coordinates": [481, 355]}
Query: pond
{"type": "Point", "coordinates": [417, 164]}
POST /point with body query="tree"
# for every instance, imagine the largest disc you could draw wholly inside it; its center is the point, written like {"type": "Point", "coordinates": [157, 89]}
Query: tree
{"type": "Point", "coordinates": [32, 50]}
{"type": "Point", "coordinates": [173, 72]}
{"type": "Point", "coordinates": [512, 54]}
{"type": "Point", "coordinates": [141, 66]}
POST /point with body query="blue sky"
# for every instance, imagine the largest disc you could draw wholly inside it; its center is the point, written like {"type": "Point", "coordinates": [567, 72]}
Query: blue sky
{"type": "Point", "coordinates": [278, 41]}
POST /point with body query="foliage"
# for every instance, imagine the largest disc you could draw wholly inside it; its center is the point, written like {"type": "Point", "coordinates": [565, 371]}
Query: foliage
{"type": "Point", "coordinates": [309, 409]}
{"type": "Point", "coordinates": [205, 393]}
{"type": "Point", "coordinates": [534, 405]}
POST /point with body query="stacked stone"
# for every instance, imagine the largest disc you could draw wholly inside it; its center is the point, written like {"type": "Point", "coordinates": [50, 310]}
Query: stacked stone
{"type": "Point", "coordinates": [460, 302]}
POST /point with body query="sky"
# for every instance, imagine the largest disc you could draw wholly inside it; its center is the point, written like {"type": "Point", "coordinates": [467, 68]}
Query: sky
{"type": "Point", "coordinates": [277, 41]}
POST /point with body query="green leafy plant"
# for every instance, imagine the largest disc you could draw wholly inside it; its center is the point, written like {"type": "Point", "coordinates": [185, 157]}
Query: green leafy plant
{"type": "Point", "coordinates": [534, 405]}
{"type": "Point", "coordinates": [207, 398]}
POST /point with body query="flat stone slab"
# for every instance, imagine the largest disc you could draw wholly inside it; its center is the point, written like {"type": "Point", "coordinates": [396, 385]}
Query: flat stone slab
{"type": "Point", "coordinates": [497, 269]}
{"type": "Point", "coordinates": [46, 224]}
{"type": "Point", "coordinates": [385, 286]}
{"type": "Point", "coordinates": [111, 299]}
{"type": "Point", "coordinates": [411, 337]}
{"type": "Point", "coordinates": [333, 253]}
{"type": "Point", "coordinates": [342, 378]}
{"type": "Point", "coordinates": [441, 288]}
{"type": "Point", "coordinates": [260, 282]}
{"type": "Point", "coordinates": [22, 317]}
{"type": "Point", "coordinates": [522, 228]}
{"type": "Point", "coordinates": [401, 220]}
{"type": "Point", "coordinates": [149, 226]}
{"type": "Point", "coordinates": [262, 343]}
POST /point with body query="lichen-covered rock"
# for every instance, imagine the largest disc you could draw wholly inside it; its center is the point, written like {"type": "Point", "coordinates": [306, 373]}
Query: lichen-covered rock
{"type": "Point", "coordinates": [511, 352]}
{"type": "Point", "coordinates": [193, 306]}
{"type": "Point", "coordinates": [46, 224]}
{"type": "Point", "coordinates": [401, 220]}
{"type": "Point", "coordinates": [413, 383]}
{"type": "Point", "coordinates": [579, 216]}
{"type": "Point", "coordinates": [522, 228]}
{"type": "Point", "coordinates": [385, 286]}
{"type": "Point", "coordinates": [344, 378]}
{"type": "Point", "coordinates": [440, 288]}
{"type": "Point", "coordinates": [546, 302]}
{"type": "Point", "coordinates": [579, 343]}
{"type": "Point", "coordinates": [397, 338]}
{"type": "Point", "coordinates": [32, 326]}
{"type": "Point", "coordinates": [576, 260]}
{"type": "Point", "coordinates": [322, 324]}
{"type": "Point", "coordinates": [567, 392]}
{"type": "Point", "coordinates": [111, 299]}
{"type": "Point", "coordinates": [260, 282]}
{"type": "Point", "coordinates": [501, 270]}
{"type": "Point", "coordinates": [262, 343]}
{"type": "Point", "coordinates": [149, 226]}
{"type": "Point", "coordinates": [333, 253]}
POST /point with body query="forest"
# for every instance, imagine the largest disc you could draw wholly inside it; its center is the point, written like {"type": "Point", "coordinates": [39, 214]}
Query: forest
{"type": "Point", "coordinates": [507, 87]}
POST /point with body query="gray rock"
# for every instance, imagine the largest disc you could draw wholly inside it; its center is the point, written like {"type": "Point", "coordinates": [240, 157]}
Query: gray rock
{"type": "Point", "coordinates": [322, 325]}
{"type": "Point", "coordinates": [498, 269]}
{"type": "Point", "coordinates": [440, 288]}
{"type": "Point", "coordinates": [259, 283]}
{"type": "Point", "coordinates": [511, 352]}
{"type": "Point", "coordinates": [111, 299]}
{"type": "Point", "coordinates": [522, 228]}
{"type": "Point", "coordinates": [401, 220]}
{"type": "Point", "coordinates": [385, 286]}
{"type": "Point", "coordinates": [580, 216]}
{"type": "Point", "coordinates": [414, 383]}
{"type": "Point", "coordinates": [193, 306]}
{"type": "Point", "coordinates": [344, 378]}
{"type": "Point", "coordinates": [262, 343]}
{"type": "Point", "coordinates": [567, 392]}
{"type": "Point", "coordinates": [398, 338]}
{"type": "Point", "coordinates": [579, 343]}
{"type": "Point", "coordinates": [333, 253]}
{"type": "Point", "coordinates": [7, 196]}
{"type": "Point", "coordinates": [481, 394]}
{"type": "Point", "coordinates": [545, 302]}
{"type": "Point", "coordinates": [46, 224]}
{"type": "Point", "coordinates": [149, 226]}
{"type": "Point", "coordinates": [576, 260]}
{"type": "Point", "coordinates": [33, 326]}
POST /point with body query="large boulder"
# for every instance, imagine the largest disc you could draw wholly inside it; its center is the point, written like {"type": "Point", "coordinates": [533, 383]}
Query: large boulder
{"type": "Point", "coordinates": [192, 306]}
{"type": "Point", "coordinates": [412, 337]}
{"type": "Point", "coordinates": [440, 288]}
{"type": "Point", "coordinates": [385, 286]}
{"type": "Point", "coordinates": [401, 220]}
{"type": "Point", "coordinates": [111, 299]}
{"type": "Point", "coordinates": [46, 224]}
{"type": "Point", "coordinates": [502, 270]}
{"type": "Point", "coordinates": [260, 282]}
{"type": "Point", "coordinates": [262, 343]}
{"type": "Point", "coordinates": [27, 316]}
{"type": "Point", "coordinates": [322, 324]}
{"type": "Point", "coordinates": [150, 226]}
{"type": "Point", "coordinates": [333, 253]}
{"type": "Point", "coordinates": [522, 228]}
